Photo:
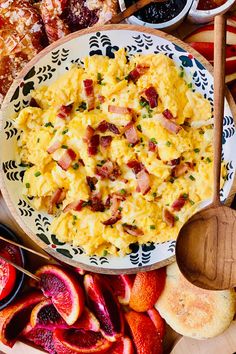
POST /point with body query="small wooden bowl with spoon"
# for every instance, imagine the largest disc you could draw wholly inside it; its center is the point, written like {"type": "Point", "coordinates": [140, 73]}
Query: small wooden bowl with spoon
{"type": "Point", "coordinates": [206, 245]}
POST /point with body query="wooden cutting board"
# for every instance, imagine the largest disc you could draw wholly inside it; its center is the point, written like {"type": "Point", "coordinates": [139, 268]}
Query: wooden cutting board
{"type": "Point", "coordinates": [223, 344]}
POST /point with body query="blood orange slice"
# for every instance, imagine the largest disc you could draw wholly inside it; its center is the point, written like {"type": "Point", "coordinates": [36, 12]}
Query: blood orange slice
{"type": "Point", "coordinates": [7, 276]}
{"type": "Point", "coordinates": [72, 341]}
{"type": "Point", "coordinates": [158, 321]}
{"type": "Point", "coordinates": [15, 317]}
{"type": "Point", "coordinates": [122, 346]}
{"type": "Point", "coordinates": [63, 289]}
{"type": "Point", "coordinates": [121, 286]}
{"type": "Point", "coordinates": [105, 307]}
{"type": "Point", "coordinates": [42, 337]}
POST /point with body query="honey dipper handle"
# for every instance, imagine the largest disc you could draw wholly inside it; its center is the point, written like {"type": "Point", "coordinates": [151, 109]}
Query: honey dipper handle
{"type": "Point", "coordinates": [219, 96]}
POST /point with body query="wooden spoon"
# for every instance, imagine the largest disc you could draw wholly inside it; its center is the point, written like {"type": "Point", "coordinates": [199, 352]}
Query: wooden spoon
{"type": "Point", "coordinates": [131, 10]}
{"type": "Point", "coordinates": [206, 245]}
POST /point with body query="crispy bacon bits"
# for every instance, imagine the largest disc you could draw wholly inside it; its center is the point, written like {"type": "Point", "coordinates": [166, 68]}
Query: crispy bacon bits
{"type": "Point", "coordinates": [169, 125]}
{"type": "Point", "coordinates": [57, 197]}
{"type": "Point", "coordinates": [113, 220]}
{"type": "Point", "coordinates": [67, 158]}
{"type": "Point", "coordinates": [77, 206]}
{"type": "Point", "coordinates": [138, 71]}
{"type": "Point", "coordinates": [181, 169]}
{"type": "Point", "coordinates": [135, 165]}
{"type": "Point", "coordinates": [105, 141]}
{"type": "Point", "coordinates": [55, 146]}
{"type": "Point", "coordinates": [168, 217]}
{"type": "Point", "coordinates": [151, 96]}
{"type": "Point", "coordinates": [131, 133]}
{"type": "Point", "coordinates": [65, 111]}
{"type": "Point", "coordinates": [180, 202]}
{"type": "Point", "coordinates": [132, 230]}
{"type": "Point", "coordinates": [167, 114]}
{"type": "Point", "coordinates": [96, 203]}
{"type": "Point", "coordinates": [92, 181]}
{"type": "Point", "coordinates": [104, 126]}
{"type": "Point", "coordinates": [89, 93]}
{"type": "Point", "coordinates": [109, 170]}
{"type": "Point", "coordinates": [143, 181]}
{"type": "Point", "coordinates": [119, 110]}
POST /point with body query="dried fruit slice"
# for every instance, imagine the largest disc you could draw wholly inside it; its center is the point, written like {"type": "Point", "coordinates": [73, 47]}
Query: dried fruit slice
{"type": "Point", "coordinates": [121, 286]}
{"type": "Point", "coordinates": [45, 315]}
{"type": "Point", "coordinates": [146, 289]}
{"type": "Point", "coordinates": [72, 341]}
{"type": "Point", "coordinates": [105, 307]}
{"type": "Point", "coordinates": [122, 346]}
{"type": "Point", "coordinates": [14, 318]}
{"type": "Point", "coordinates": [64, 290]}
{"type": "Point", "coordinates": [144, 333]}
{"type": "Point", "coordinates": [158, 321]}
{"type": "Point", "coordinates": [42, 337]}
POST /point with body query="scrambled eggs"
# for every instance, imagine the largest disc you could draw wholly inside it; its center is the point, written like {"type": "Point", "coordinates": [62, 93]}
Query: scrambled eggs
{"type": "Point", "coordinates": [118, 151]}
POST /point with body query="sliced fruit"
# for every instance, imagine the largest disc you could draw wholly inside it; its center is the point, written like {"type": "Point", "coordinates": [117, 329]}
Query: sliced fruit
{"type": "Point", "coordinates": [144, 333]}
{"type": "Point", "coordinates": [15, 317]}
{"type": "Point", "coordinates": [122, 346]}
{"type": "Point", "coordinates": [80, 271]}
{"type": "Point", "coordinates": [63, 289]}
{"type": "Point", "coordinates": [158, 321]}
{"type": "Point", "coordinates": [146, 289]}
{"type": "Point", "coordinates": [105, 307]}
{"type": "Point", "coordinates": [7, 276]}
{"type": "Point", "coordinates": [42, 337]}
{"type": "Point", "coordinates": [206, 34]}
{"type": "Point", "coordinates": [207, 49]}
{"type": "Point", "coordinates": [45, 315]}
{"type": "Point", "coordinates": [72, 341]}
{"type": "Point", "coordinates": [121, 286]}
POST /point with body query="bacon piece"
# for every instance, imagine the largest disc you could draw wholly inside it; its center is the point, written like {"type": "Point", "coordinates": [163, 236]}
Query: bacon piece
{"type": "Point", "coordinates": [34, 103]}
{"type": "Point", "coordinates": [89, 92]}
{"type": "Point", "coordinates": [105, 141]}
{"type": "Point", "coordinates": [151, 96]}
{"type": "Point", "coordinates": [168, 218]}
{"type": "Point", "coordinates": [101, 98]}
{"type": "Point", "coordinates": [143, 181]}
{"type": "Point", "coordinates": [173, 162]}
{"type": "Point", "coordinates": [131, 133]}
{"type": "Point", "coordinates": [92, 181]}
{"type": "Point", "coordinates": [103, 126]}
{"type": "Point", "coordinates": [135, 165]}
{"type": "Point", "coordinates": [115, 204]}
{"type": "Point", "coordinates": [113, 128]}
{"type": "Point", "coordinates": [132, 230]}
{"type": "Point", "coordinates": [181, 169]}
{"type": "Point", "coordinates": [152, 146]}
{"type": "Point", "coordinates": [88, 134]}
{"type": "Point", "coordinates": [77, 206]}
{"type": "Point", "coordinates": [112, 220]}
{"type": "Point", "coordinates": [57, 197]}
{"type": "Point", "coordinates": [55, 146]}
{"type": "Point", "coordinates": [179, 203]}
{"type": "Point", "coordinates": [167, 114]}
{"type": "Point", "coordinates": [81, 162]}
{"type": "Point", "coordinates": [172, 127]}
{"type": "Point", "coordinates": [93, 145]}
{"type": "Point", "coordinates": [65, 161]}
{"type": "Point", "coordinates": [65, 111]}
{"type": "Point", "coordinates": [138, 71]}
{"type": "Point", "coordinates": [105, 170]}
{"type": "Point", "coordinates": [119, 110]}
{"type": "Point", "coordinates": [96, 203]}
{"type": "Point", "coordinates": [108, 202]}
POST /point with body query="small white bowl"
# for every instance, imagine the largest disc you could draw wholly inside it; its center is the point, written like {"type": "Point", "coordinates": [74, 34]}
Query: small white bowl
{"type": "Point", "coordinates": [204, 16]}
{"type": "Point", "coordinates": [165, 26]}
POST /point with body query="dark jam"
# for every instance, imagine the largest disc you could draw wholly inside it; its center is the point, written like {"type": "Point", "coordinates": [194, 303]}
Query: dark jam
{"type": "Point", "coordinates": [159, 12]}
{"type": "Point", "coordinates": [209, 4]}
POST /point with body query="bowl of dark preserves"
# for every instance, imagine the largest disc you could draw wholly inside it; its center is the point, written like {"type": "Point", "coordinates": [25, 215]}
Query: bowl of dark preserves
{"type": "Point", "coordinates": [165, 16]}
{"type": "Point", "coordinates": [11, 280]}
{"type": "Point", "coordinates": [203, 11]}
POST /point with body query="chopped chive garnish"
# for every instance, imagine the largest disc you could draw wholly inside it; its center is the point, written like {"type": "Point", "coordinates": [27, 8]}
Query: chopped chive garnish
{"type": "Point", "coordinates": [54, 131]}
{"type": "Point", "coordinates": [181, 74]}
{"type": "Point", "coordinates": [192, 178]}
{"type": "Point", "coordinates": [185, 195]}
{"type": "Point", "coordinates": [104, 253]}
{"type": "Point", "coordinates": [153, 140]}
{"type": "Point", "coordinates": [75, 166]}
{"type": "Point", "coordinates": [64, 146]}
{"type": "Point", "coordinates": [37, 174]}
{"type": "Point", "coordinates": [152, 227]}
{"type": "Point", "coordinates": [120, 209]}
{"type": "Point", "coordinates": [144, 116]}
{"type": "Point", "coordinates": [27, 185]}
{"type": "Point", "coordinates": [113, 99]}
{"type": "Point", "coordinates": [143, 103]}
{"type": "Point", "coordinates": [139, 128]}
{"type": "Point", "coordinates": [154, 194]}
{"type": "Point", "coordinates": [65, 131]}
{"type": "Point", "coordinates": [49, 124]}
{"type": "Point", "coordinates": [191, 201]}
{"type": "Point", "coordinates": [176, 218]}
{"type": "Point", "coordinates": [201, 131]}
{"type": "Point", "coordinates": [190, 85]}
{"type": "Point", "coordinates": [82, 107]}
{"type": "Point", "coordinates": [168, 143]}
{"type": "Point", "coordinates": [123, 191]}
{"type": "Point", "coordinates": [74, 217]}
{"type": "Point", "coordinates": [208, 159]}
{"type": "Point", "coordinates": [196, 150]}
{"type": "Point", "coordinates": [99, 78]}
{"type": "Point", "coordinates": [38, 140]}
{"type": "Point", "coordinates": [118, 79]}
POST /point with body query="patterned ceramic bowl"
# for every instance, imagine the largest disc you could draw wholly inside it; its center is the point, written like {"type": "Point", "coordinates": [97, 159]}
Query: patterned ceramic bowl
{"type": "Point", "coordinates": [44, 69]}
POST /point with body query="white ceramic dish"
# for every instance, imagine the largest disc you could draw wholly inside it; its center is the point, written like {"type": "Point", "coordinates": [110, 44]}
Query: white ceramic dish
{"type": "Point", "coordinates": [165, 26]}
{"type": "Point", "coordinates": [201, 16]}
{"type": "Point", "coordinates": [46, 68]}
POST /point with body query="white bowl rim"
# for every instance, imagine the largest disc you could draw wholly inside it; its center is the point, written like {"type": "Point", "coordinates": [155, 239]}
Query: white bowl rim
{"type": "Point", "coordinates": [5, 193]}
{"type": "Point", "coordinates": [162, 25]}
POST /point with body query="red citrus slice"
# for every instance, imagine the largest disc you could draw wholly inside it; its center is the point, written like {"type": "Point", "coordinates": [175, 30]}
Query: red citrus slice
{"type": "Point", "coordinates": [15, 317]}
{"type": "Point", "coordinates": [121, 286]}
{"type": "Point", "coordinates": [7, 276]}
{"type": "Point", "coordinates": [72, 341]}
{"type": "Point", "coordinates": [146, 289]}
{"type": "Point", "coordinates": [105, 307]}
{"type": "Point", "coordinates": [63, 289]}
{"type": "Point", "coordinates": [158, 321]}
{"type": "Point", "coordinates": [45, 315]}
{"type": "Point", "coordinates": [122, 346]}
{"type": "Point", "coordinates": [144, 333]}
{"type": "Point", "coordinates": [42, 337]}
